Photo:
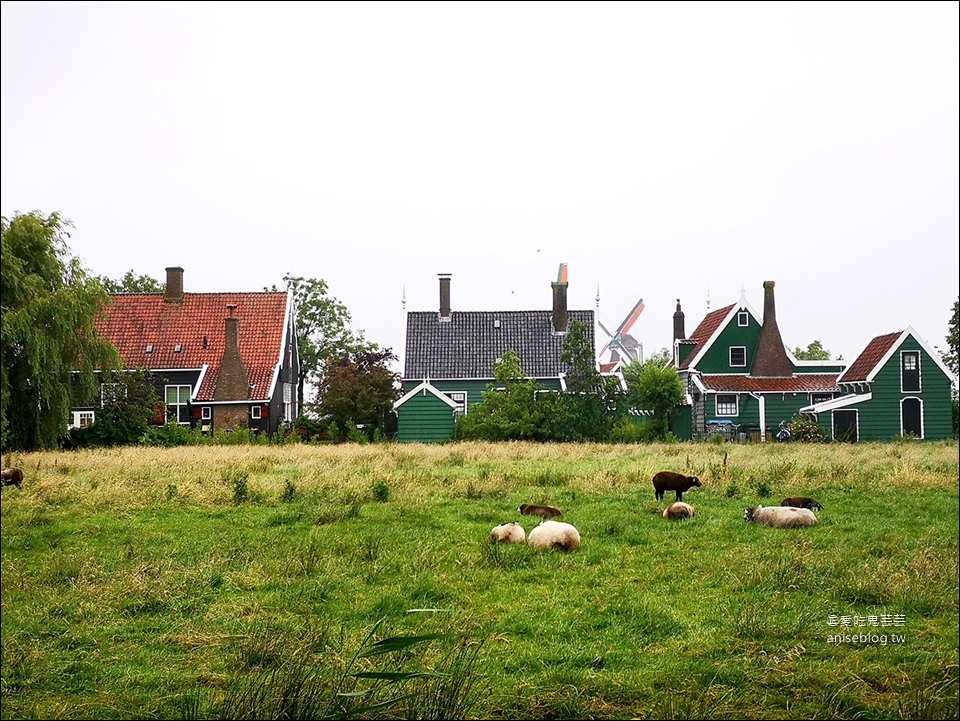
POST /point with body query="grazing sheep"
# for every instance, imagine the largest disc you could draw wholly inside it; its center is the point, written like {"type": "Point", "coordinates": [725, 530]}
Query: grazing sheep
{"type": "Point", "coordinates": [679, 510]}
{"type": "Point", "coordinates": [803, 502]}
{"type": "Point", "coordinates": [545, 512]}
{"type": "Point", "coordinates": [670, 481]}
{"type": "Point", "coordinates": [781, 516]}
{"type": "Point", "coordinates": [12, 477]}
{"type": "Point", "coordinates": [508, 533]}
{"type": "Point", "coordinates": [554, 534]}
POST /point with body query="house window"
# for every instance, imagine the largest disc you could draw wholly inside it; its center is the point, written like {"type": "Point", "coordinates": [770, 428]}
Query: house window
{"type": "Point", "coordinates": [910, 371]}
{"type": "Point", "coordinates": [177, 400]}
{"type": "Point", "coordinates": [743, 319]}
{"type": "Point", "coordinates": [206, 413]}
{"type": "Point", "coordinates": [287, 402]}
{"type": "Point", "coordinates": [82, 419]}
{"type": "Point", "coordinates": [845, 428]}
{"type": "Point", "coordinates": [727, 405]}
{"type": "Point", "coordinates": [111, 393]}
{"type": "Point", "coordinates": [820, 398]}
{"type": "Point", "coordinates": [255, 412]}
{"type": "Point", "coordinates": [738, 356]}
{"type": "Point", "coordinates": [460, 398]}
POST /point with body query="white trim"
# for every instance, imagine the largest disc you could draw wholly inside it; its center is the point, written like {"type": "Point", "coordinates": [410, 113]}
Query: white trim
{"type": "Point", "coordinates": [742, 304]}
{"type": "Point", "coordinates": [903, 354]}
{"type": "Point", "coordinates": [920, 401]}
{"type": "Point", "coordinates": [424, 387]}
{"type": "Point", "coordinates": [834, 403]}
{"type": "Point", "coordinates": [895, 346]}
{"type": "Point", "coordinates": [203, 372]}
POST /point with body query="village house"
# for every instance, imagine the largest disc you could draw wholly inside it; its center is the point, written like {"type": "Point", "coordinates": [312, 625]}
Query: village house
{"type": "Point", "coordinates": [221, 361]}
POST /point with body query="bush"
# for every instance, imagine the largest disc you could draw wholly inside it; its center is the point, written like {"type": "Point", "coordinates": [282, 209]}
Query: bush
{"type": "Point", "coordinates": [171, 435]}
{"type": "Point", "coordinates": [806, 430]}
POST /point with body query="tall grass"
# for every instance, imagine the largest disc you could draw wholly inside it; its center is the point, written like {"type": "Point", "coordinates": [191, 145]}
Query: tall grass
{"type": "Point", "coordinates": [253, 582]}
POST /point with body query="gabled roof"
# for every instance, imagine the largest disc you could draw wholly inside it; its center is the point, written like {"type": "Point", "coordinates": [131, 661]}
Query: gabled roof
{"type": "Point", "coordinates": [135, 321]}
{"type": "Point", "coordinates": [470, 343]}
{"type": "Point", "coordinates": [878, 351]}
{"type": "Point", "coordinates": [800, 383]}
{"type": "Point", "coordinates": [711, 327]}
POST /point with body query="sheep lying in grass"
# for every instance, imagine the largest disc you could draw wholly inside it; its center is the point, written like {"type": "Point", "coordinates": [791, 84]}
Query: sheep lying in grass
{"type": "Point", "coordinates": [803, 502]}
{"type": "Point", "coordinates": [508, 533]}
{"type": "Point", "coordinates": [545, 512]}
{"type": "Point", "coordinates": [679, 510]}
{"type": "Point", "coordinates": [781, 516]}
{"type": "Point", "coordinates": [669, 481]}
{"type": "Point", "coordinates": [554, 534]}
{"type": "Point", "coordinates": [12, 477]}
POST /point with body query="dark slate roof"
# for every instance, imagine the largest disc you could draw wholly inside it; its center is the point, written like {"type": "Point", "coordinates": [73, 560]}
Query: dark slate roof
{"type": "Point", "coordinates": [469, 344]}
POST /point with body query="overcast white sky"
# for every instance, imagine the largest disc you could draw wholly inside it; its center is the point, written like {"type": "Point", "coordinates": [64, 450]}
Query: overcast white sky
{"type": "Point", "coordinates": [663, 151]}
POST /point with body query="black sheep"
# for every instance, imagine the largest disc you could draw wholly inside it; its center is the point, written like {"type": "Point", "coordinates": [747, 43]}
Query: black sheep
{"type": "Point", "coordinates": [670, 481]}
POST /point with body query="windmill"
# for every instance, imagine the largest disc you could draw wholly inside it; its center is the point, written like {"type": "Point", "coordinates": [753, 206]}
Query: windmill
{"type": "Point", "coordinates": [623, 347]}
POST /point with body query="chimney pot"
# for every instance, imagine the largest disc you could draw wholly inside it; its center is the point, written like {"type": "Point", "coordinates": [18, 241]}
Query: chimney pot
{"type": "Point", "coordinates": [679, 332]}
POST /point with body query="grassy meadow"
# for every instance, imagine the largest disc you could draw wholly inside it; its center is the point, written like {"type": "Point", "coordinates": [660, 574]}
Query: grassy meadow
{"type": "Point", "coordinates": [358, 581]}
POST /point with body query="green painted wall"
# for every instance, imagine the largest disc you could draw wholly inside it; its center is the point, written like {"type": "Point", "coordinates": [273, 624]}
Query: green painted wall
{"type": "Point", "coordinates": [424, 419]}
{"type": "Point", "coordinates": [880, 417]}
{"type": "Point", "coordinates": [717, 359]}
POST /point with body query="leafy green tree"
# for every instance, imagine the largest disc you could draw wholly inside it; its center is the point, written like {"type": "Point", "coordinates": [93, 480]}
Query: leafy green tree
{"type": "Point", "coordinates": [654, 386]}
{"type": "Point", "coordinates": [509, 409]}
{"type": "Point", "coordinates": [950, 357]}
{"type": "Point", "coordinates": [48, 338]}
{"type": "Point", "coordinates": [128, 403]}
{"type": "Point", "coordinates": [594, 402]}
{"type": "Point", "coordinates": [814, 351]}
{"type": "Point", "coordinates": [131, 283]}
{"type": "Point", "coordinates": [323, 330]}
{"type": "Point", "coordinates": [358, 389]}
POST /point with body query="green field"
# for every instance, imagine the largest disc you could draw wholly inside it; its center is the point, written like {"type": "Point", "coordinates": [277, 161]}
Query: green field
{"type": "Point", "coordinates": [254, 581]}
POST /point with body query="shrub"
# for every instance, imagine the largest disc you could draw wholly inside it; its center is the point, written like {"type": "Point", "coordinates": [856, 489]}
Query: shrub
{"type": "Point", "coordinates": [806, 430]}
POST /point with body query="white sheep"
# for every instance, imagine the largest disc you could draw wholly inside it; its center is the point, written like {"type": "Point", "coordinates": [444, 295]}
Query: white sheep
{"type": "Point", "coordinates": [554, 534]}
{"type": "Point", "coordinates": [508, 533]}
{"type": "Point", "coordinates": [781, 516]}
{"type": "Point", "coordinates": [679, 510]}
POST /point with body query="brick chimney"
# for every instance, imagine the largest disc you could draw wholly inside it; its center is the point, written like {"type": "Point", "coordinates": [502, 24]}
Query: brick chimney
{"type": "Point", "coordinates": [444, 296]}
{"type": "Point", "coordinates": [173, 293]}
{"type": "Point", "coordinates": [232, 382]}
{"type": "Point", "coordinates": [678, 325]}
{"type": "Point", "coordinates": [770, 359]}
{"type": "Point", "coordinates": [559, 307]}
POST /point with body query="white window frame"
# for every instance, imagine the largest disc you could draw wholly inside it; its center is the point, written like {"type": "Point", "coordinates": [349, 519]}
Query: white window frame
{"type": "Point", "coordinates": [743, 318]}
{"type": "Point", "coordinates": [735, 405]}
{"type": "Point", "coordinates": [730, 356]}
{"type": "Point", "coordinates": [256, 412]}
{"type": "Point", "coordinates": [206, 413]}
{"type": "Point", "coordinates": [919, 400]}
{"type": "Point", "coordinates": [460, 398]}
{"type": "Point", "coordinates": [82, 419]}
{"type": "Point", "coordinates": [181, 400]}
{"type": "Point", "coordinates": [903, 356]}
{"type": "Point", "coordinates": [115, 390]}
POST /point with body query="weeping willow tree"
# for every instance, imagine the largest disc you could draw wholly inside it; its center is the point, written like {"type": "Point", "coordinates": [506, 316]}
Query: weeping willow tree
{"type": "Point", "coordinates": [50, 347]}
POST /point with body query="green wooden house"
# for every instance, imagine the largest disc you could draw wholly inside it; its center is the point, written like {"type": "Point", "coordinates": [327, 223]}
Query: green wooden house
{"type": "Point", "coordinates": [743, 382]}
{"type": "Point", "coordinates": [450, 357]}
{"type": "Point", "coordinates": [898, 386]}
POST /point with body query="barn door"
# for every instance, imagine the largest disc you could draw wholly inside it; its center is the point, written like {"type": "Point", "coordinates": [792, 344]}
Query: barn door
{"type": "Point", "coordinates": [911, 414]}
{"type": "Point", "coordinates": [845, 426]}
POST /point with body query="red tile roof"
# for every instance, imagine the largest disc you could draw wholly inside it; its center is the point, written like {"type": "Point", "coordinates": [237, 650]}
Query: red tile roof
{"type": "Point", "coordinates": [876, 349]}
{"type": "Point", "coordinates": [137, 320]}
{"type": "Point", "coordinates": [704, 331]}
{"type": "Point", "coordinates": [800, 383]}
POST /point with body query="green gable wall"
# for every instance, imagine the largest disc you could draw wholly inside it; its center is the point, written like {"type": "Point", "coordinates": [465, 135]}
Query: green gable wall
{"type": "Point", "coordinates": [880, 417]}
{"type": "Point", "coordinates": [717, 358]}
{"type": "Point", "coordinates": [424, 418]}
